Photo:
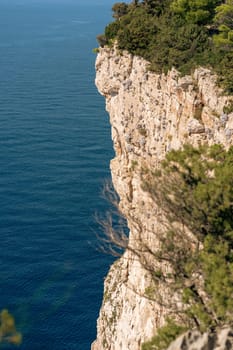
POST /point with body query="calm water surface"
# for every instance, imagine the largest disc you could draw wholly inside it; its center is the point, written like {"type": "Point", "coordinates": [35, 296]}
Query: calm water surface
{"type": "Point", "coordinates": [55, 149]}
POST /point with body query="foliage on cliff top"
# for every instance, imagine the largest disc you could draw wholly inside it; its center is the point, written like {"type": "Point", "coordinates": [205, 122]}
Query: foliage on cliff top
{"type": "Point", "coordinates": [176, 33]}
{"type": "Point", "coordinates": [195, 188]}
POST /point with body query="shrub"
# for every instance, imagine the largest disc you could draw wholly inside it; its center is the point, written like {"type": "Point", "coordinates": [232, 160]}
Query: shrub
{"type": "Point", "coordinates": [102, 40]}
{"type": "Point", "coordinates": [165, 336]}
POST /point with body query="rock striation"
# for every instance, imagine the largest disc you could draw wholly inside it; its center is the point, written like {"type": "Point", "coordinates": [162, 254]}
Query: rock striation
{"type": "Point", "coordinates": [150, 114]}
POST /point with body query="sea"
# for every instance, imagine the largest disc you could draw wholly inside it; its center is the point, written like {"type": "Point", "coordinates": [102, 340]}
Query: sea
{"type": "Point", "coordinates": [55, 149]}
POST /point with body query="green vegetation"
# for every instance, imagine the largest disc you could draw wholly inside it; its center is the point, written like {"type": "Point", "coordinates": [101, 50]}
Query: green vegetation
{"type": "Point", "coordinates": [134, 165]}
{"type": "Point", "coordinates": [228, 108]}
{"type": "Point", "coordinates": [8, 332]}
{"type": "Point", "coordinates": [165, 336]}
{"type": "Point", "coordinates": [194, 187]}
{"type": "Point", "coordinates": [95, 50]}
{"type": "Point", "coordinates": [176, 33]}
{"type": "Point", "coordinates": [224, 19]}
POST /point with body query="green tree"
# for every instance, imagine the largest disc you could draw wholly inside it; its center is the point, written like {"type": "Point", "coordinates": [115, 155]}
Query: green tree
{"type": "Point", "coordinates": [197, 187]}
{"type": "Point", "coordinates": [224, 14]}
{"type": "Point", "coordinates": [119, 9]}
{"type": "Point", "coordinates": [111, 30]}
{"type": "Point", "coordinates": [195, 11]}
{"type": "Point", "coordinates": [194, 187]}
{"type": "Point", "coordinates": [155, 7]}
{"type": "Point", "coordinates": [136, 31]}
{"type": "Point", "coordinates": [224, 20]}
{"type": "Point", "coordinates": [224, 69]}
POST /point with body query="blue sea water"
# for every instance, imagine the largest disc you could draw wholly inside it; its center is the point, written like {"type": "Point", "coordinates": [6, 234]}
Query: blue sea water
{"type": "Point", "coordinates": [55, 149]}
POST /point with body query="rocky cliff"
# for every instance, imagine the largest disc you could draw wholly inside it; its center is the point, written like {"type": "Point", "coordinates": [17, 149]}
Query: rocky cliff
{"type": "Point", "coordinates": [150, 114]}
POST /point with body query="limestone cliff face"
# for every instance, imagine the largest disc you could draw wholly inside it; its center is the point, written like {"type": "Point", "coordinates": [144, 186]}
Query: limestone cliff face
{"type": "Point", "coordinates": [150, 114]}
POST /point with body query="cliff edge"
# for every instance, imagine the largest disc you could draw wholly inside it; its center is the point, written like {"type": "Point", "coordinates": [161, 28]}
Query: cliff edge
{"type": "Point", "coordinates": [150, 114]}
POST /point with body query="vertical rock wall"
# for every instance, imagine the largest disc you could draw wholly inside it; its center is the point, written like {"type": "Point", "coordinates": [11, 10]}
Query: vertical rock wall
{"type": "Point", "coordinates": [150, 114]}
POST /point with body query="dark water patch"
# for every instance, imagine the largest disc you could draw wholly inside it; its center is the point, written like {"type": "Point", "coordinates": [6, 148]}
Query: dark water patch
{"type": "Point", "coordinates": [55, 149]}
